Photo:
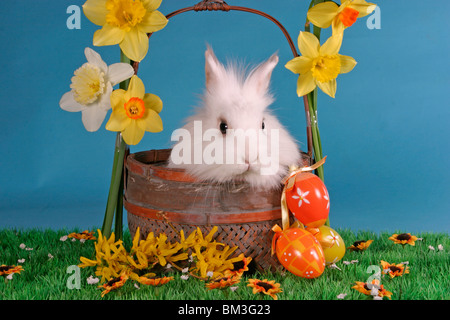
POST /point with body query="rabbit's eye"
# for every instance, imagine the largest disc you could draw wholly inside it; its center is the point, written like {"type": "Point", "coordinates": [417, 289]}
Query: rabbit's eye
{"type": "Point", "coordinates": [263, 126]}
{"type": "Point", "coordinates": [223, 127]}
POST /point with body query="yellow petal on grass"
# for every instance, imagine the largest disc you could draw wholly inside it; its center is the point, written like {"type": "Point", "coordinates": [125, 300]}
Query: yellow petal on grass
{"type": "Point", "coordinates": [153, 21]}
{"type": "Point", "coordinates": [135, 44]}
{"type": "Point", "coordinates": [299, 65]}
{"type": "Point", "coordinates": [151, 122]}
{"type": "Point", "coordinates": [328, 87]}
{"type": "Point", "coordinates": [153, 102]}
{"type": "Point", "coordinates": [108, 35]}
{"type": "Point", "coordinates": [347, 63]}
{"type": "Point", "coordinates": [305, 84]}
{"type": "Point", "coordinates": [322, 14]}
{"type": "Point", "coordinates": [95, 11]}
{"type": "Point", "coordinates": [133, 134]}
{"type": "Point", "coordinates": [308, 44]}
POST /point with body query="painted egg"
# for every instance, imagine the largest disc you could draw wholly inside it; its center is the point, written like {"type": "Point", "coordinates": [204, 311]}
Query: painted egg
{"type": "Point", "coordinates": [332, 244]}
{"type": "Point", "coordinates": [300, 253]}
{"type": "Point", "coordinates": [308, 200]}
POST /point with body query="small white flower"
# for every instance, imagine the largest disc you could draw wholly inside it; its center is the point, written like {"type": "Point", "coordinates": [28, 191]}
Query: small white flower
{"type": "Point", "coordinates": [346, 262]}
{"type": "Point", "coordinates": [341, 296]}
{"type": "Point", "coordinates": [136, 286]}
{"type": "Point", "coordinates": [50, 256]}
{"type": "Point", "coordinates": [440, 247]}
{"type": "Point", "coordinates": [73, 239]}
{"type": "Point", "coordinates": [92, 280]}
{"type": "Point", "coordinates": [184, 277]}
{"type": "Point", "coordinates": [377, 297]}
{"type": "Point", "coordinates": [63, 238]}
{"type": "Point", "coordinates": [405, 262]}
{"type": "Point", "coordinates": [22, 246]}
{"type": "Point", "coordinates": [92, 85]}
{"type": "Point", "coordinates": [82, 240]}
{"type": "Point", "coordinates": [28, 249]}
{"type": "Point", "coordinates": [234, 288]}
{"type": "Point", "coordinates": [431, 248]}
{"type": "Point", "coordinates": [168, 266]}
{"type": "Point", "coordinates": [21, 260]}
{"type": "Point", "coordinates": [10, 276]}
{"type": "Point", "coordinates": [209, 274]}
{"type": "Point", "coordinates": [191, 258]}
{"type": "Point", "coordinates": [185, 270]}
{"type": "Point", "coordinates": [301, 196]}
{"type": "Point", "coordinates": [354, 261]}
{"type": "Point", "coordinates": [374, 290]}
{"type": "Point", "coordinates": [334, 266]}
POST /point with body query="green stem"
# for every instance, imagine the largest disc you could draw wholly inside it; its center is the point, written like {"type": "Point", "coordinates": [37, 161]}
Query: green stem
{"type": "Point", "coordinates": [114, 205]}
{"type": "Point", "coordinates": [114, 188]}
{"type": "Point", "coordinates": [312, 102]}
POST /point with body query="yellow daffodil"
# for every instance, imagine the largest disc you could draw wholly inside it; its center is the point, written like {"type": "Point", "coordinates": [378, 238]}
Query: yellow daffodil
{"type": "Point", "coordinates": [125, 22]}
{"type": "Point", "coordinates": [319, 65]}
{"type": "Point", "coordinates": [134, 112]}
{"type": "Point", "coordinates": [339, 17]}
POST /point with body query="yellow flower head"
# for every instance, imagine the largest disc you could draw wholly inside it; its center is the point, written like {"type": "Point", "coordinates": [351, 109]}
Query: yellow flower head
{"type": "Point", "coordinates": [125, 22]}
{"type": "Point", "coordinates": [319, 65]}
{"type": "Point", "coordinates": [394, 270]}
{"type": "Point", "coordinates": [404, 238]}
{"type": "Point", "coordinates": [339, 17]}
{"type": "Point", "coordinates": [360, 245]}
{"type": "Point", "coordinates": [7, 270]}
{"type": "Point", "coordinates": [372, 289]}
{"type": "Point", "coordinates": [134, 112]}
{"type": "Point", "coordinates": [85, 235]}
{"type": "Point", "coordinates": [154, 281]}
{"type": "Point", "coordinates": [264, 286]}
{"type": "Point", "coordinates": [223, 283]}
{"type": "Point", "coordinates": [114, 284]}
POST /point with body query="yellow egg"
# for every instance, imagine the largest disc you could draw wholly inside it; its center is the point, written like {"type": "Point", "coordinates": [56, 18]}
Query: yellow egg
{"type": "Point", "coordinates": [332, 244]}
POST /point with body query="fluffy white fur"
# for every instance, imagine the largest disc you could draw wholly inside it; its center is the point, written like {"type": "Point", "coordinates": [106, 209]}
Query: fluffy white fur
{"type": "Point", "coordinates": [241, 101]}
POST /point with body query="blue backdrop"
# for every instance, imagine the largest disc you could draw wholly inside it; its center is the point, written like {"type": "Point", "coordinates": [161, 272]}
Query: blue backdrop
{"type": "Point", "coordinates": [386, 134]}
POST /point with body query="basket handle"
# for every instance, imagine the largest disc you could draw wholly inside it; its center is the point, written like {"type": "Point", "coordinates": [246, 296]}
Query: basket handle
{"type": "Point", "coordinates": [221, 5]}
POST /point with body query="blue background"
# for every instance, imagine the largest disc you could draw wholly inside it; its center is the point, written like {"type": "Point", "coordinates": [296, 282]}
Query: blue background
{"type": "Point", "coordinates": [386, 134]}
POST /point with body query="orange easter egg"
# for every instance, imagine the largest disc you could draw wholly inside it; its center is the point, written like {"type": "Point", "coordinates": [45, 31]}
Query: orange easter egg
{"type": "Point", "coordinates": [308, 200]}
{"type": "Point", "coordinates": [300, 252]}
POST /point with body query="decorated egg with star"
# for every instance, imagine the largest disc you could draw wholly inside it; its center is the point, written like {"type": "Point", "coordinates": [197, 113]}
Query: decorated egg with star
{"type": "Point", "coordinates": [308, 200]}
{"type": "Point", "coordinates": [299, 252]}
{"type": "Point", "coordinates": [332, 243]}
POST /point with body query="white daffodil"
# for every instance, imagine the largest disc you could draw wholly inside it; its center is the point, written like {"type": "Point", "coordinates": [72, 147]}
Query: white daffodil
{"type": "Point", "coordinates": [92, 85]}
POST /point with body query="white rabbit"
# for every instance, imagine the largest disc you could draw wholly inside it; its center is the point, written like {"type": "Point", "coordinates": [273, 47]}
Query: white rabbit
{"type": "Point", "coordinates": [235, 101]}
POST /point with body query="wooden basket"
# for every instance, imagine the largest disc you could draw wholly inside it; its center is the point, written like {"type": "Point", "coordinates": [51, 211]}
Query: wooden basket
{"type": "Point", "coordinates": [158, 199]}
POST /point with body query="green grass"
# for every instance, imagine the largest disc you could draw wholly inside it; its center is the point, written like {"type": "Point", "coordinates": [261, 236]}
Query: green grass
{"type": "Point", "coordinates": [46, 279]}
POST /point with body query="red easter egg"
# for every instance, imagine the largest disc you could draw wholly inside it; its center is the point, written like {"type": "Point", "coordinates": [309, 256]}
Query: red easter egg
{"type": "Point", "coordinates": [300, 252]}
{"type": "Point", "coordinates": [308, 200]}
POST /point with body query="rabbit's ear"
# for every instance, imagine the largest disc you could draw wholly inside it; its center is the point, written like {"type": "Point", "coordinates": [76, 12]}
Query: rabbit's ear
{"type": "Point", "coordinates": [214, 70]}
{"type": "Point", "coordinates": [259, 78]}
